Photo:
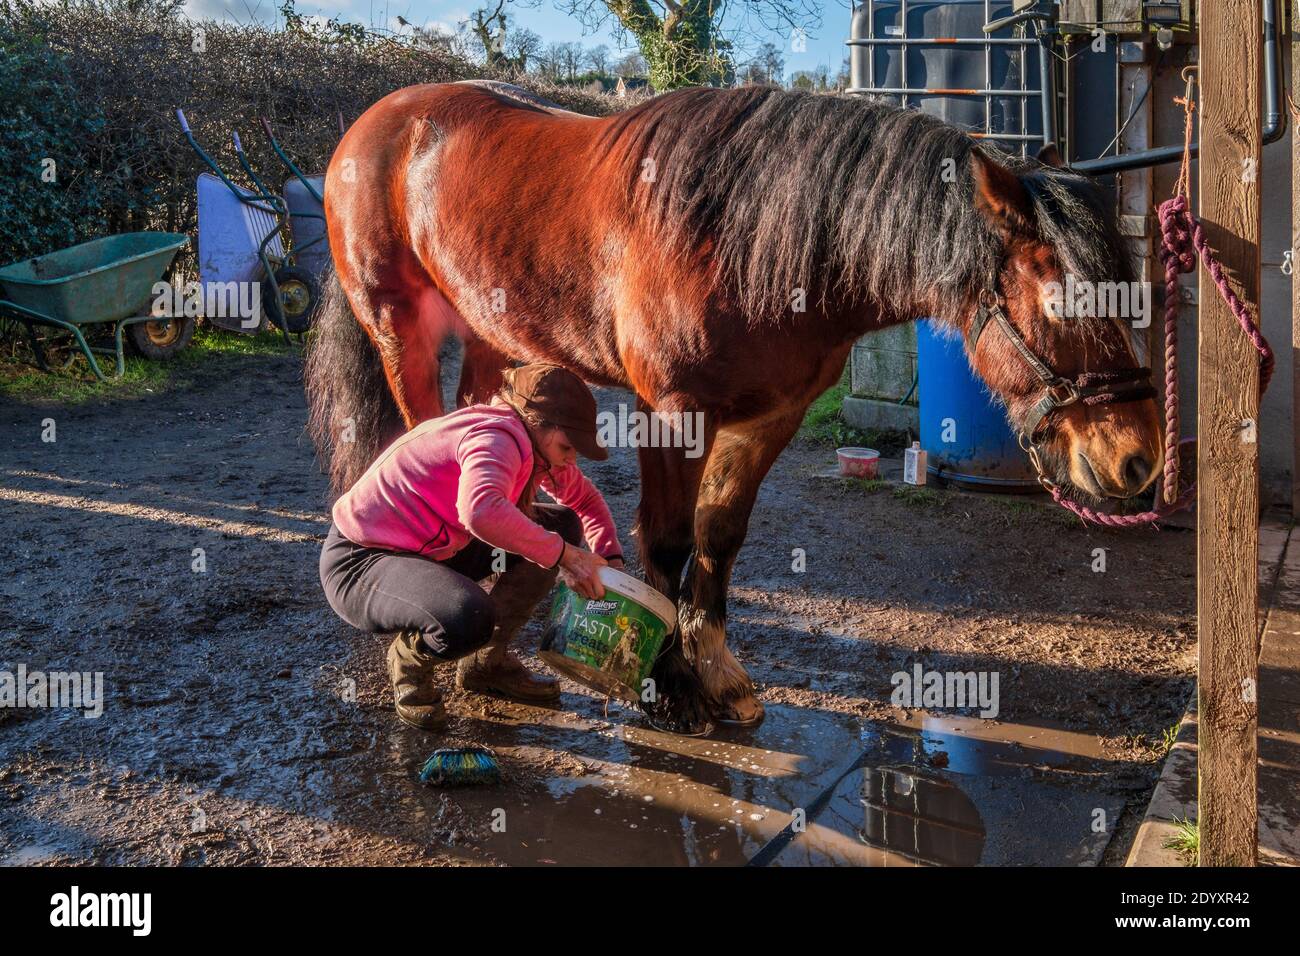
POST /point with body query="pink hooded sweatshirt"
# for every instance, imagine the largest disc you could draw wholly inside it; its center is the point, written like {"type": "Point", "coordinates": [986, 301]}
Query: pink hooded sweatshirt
{"type": "Point", "coordinates": [461, 476]}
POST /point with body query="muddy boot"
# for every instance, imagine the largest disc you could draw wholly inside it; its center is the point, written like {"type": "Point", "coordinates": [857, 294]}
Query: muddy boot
{"type": "Point", "coordinates": [410, 669]}
{"type": "Point", "coordinates": [493, 669]}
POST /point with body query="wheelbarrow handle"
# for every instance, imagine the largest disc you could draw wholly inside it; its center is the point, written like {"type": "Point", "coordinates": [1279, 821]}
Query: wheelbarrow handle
{"type": "Point", "coordinates": [185, 126]}
{"type": "Point", "coordinates": [266, 128]}
{"type": "Point", "coordinates": [239, 147]}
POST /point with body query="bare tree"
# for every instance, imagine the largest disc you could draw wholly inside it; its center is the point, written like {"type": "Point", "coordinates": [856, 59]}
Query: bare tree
{"type": "Point", "coordinates": [550, 60]}
{"type": "Point", "coordinates": [598, 59]}
{"type": "Point", "coordinates": [767, 66]}
{"type": "Point", "coordinates": [631, 65]}
{"type": "Point", "coordinates": [521, 47]}
{"type": "Point", "coordinates": [490, 28]}
{"type": "Point", "coordinates": [843, 76]}
{"type": "Point", "coordinates": [571, 57]}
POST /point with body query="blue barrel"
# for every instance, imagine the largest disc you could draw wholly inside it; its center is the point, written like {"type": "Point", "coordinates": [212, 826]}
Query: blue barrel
{"type": "Point", "coordinates": [964, 431]}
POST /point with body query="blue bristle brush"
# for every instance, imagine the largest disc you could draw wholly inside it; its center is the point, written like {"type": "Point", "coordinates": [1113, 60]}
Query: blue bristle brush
{"type": "Point", "coordinates": [461, 766]}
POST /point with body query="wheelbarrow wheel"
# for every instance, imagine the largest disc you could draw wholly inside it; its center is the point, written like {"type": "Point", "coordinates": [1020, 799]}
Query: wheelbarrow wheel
{"type": "Point", "coordinates": [299, 297]}
{"type": "Point", "coordinates": [161, 340]}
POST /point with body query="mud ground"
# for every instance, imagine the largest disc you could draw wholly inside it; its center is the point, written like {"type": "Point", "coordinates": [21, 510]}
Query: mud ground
{"type": "Point", "coordinates": [244, 724]}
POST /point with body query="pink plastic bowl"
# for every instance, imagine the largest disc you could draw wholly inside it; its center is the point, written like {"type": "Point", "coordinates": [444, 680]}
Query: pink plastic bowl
{"type": "Point", "coordinates": [858, 462]}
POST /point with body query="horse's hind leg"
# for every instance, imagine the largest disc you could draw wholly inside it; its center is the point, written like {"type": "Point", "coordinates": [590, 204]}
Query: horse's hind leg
{"type": "Point", "coordinates": [664, 530]}
{"type": "Point", "coordinates": [739, 461]}
{"type": "Point", "coordinates": [407, 318]}
{"type": "Point", "coordinates": [480, 371]}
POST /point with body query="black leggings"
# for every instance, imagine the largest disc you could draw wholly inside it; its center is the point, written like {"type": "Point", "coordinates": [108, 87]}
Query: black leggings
{"type": "Point", "coordinates": [389, 591]}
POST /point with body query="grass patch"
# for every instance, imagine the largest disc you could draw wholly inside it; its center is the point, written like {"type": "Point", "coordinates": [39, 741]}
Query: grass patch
{"type": "Point", "coordinates": [21, 380]}
{"type": "Point", "coordinates": [866, 485]}
{"type": "Point", "coordinates": [918, 496]}
{"type": "Point", "coordinates": [824, 424]}
{"type": "Point", "coordinates": [1170, 738]}
{"type": "Point", "coordinates": [1186, 840]}
{"type": "Point", "coordinates": [1013, 506]}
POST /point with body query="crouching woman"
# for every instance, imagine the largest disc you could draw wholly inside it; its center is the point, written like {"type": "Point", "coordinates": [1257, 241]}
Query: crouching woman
{"type": "Point", "coordinates": [446, 513]}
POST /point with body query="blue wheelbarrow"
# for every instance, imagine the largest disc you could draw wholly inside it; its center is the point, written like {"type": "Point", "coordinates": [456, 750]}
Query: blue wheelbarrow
{"type": "Point", "coordinates": [247, 268]}
{"type": "Point", "coordinates": [304, 196]}
{"type": "Point", "coordinates": [113, 279]}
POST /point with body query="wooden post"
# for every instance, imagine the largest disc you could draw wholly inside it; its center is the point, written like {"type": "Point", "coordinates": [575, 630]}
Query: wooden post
{"type": "Point", "coordinates": [1295, 267]}
{"type": "Point", "coordinates": [1227, 534]}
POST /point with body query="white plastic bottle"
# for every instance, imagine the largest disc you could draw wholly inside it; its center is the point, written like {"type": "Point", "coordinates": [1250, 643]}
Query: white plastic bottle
{"type": "Point", "coordinates": [914, 464]}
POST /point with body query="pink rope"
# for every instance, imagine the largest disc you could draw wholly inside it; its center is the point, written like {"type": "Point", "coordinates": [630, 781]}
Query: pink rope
{"type": "Point", "coordinates": [1182, 239]}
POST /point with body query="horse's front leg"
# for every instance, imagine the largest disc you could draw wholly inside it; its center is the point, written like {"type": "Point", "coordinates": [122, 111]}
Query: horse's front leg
{"type": "Point", "coordinates": [739, 461]}
{"type": "Point", "coordinates": [670, 482]}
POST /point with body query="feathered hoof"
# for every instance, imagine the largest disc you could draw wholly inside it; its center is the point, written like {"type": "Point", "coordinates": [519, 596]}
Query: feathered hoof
{"type": "Point", "coordinates": [680, 705]}
{"type": "Point", "coordinates": [689, 718]}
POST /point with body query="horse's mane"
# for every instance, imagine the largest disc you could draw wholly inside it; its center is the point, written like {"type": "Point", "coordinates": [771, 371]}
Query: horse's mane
{"type": "Point", "coordinates": [839, 196]}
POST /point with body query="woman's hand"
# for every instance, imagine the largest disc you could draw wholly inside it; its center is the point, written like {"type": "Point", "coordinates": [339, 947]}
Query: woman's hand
{"type": "Point", "coordinates": [580, 570]}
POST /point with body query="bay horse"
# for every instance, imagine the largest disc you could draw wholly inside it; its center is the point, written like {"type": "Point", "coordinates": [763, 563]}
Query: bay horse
{"type": "Point", "coordinates": [715, 251]}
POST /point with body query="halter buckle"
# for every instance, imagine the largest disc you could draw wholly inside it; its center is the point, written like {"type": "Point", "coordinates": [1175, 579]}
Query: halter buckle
{"type": "Point", "coordinates": [1063, 392]}
{"type": "Point", "coordinates": [991, 299]}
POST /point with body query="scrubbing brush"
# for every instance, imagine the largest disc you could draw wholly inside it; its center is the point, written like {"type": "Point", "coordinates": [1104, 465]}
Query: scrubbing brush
{"type": "Point", "coordinates": [461, 766]}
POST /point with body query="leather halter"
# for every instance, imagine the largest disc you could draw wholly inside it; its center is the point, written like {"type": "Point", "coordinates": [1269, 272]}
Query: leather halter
{"type": "Point", "coordinates": [1091, 388]}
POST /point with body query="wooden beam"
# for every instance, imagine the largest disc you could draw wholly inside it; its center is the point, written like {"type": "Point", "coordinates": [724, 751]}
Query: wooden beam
{"type": "Point", "coordinates": [1227, 527]}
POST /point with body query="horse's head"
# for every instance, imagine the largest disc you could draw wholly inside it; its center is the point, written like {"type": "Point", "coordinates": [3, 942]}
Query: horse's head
{"type": "Point", "coordinates": [1050, 329]}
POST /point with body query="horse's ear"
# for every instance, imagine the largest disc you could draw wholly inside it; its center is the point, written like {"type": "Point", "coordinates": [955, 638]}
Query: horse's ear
{"type": "Point", "coordinates": [1000, 195]}
{"type": "Point", "coordinates": [1049, 155]}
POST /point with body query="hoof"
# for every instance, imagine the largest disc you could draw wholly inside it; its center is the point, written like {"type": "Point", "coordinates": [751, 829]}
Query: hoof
{"type": "Point", "coordinates": [681, 706]}
{"type": "Point", "coordinates": [686, 718]}
{"type": "Point", "coordinates": [681, 727]}
{"type": "Point", "coordinates": [745, 711]}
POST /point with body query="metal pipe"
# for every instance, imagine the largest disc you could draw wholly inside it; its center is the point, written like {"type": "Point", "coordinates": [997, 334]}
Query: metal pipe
{"type": "Point", "coordinates": [988, 78]}
{"type": "Point", "coordinates": [942, 41]}
{"type": "Point", "coordinates": [902, 21]}
{"type": "Point", "coordinates": [945, 91]}
{"type": "Point", "coordinates": [1045, 83]}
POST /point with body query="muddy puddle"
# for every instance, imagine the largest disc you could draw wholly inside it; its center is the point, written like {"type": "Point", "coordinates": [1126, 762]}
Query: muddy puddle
{"type": "Point", "coordinates": [808, 788]}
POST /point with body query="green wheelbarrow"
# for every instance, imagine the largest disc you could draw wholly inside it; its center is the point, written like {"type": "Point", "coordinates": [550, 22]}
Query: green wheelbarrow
{"type": "Point", "coordinates": [106, 280]}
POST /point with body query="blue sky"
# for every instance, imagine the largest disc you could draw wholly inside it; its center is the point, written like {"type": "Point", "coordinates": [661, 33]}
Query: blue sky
{"type": "Point", "coordinates": [825, 44]}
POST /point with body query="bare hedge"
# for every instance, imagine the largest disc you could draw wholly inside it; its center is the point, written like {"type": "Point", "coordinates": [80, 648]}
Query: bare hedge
{"type": "Point", "coordinates": [94, 85]}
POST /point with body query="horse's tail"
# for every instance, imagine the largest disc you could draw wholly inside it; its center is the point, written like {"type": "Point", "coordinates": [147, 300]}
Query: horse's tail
{"type": "Point", "coordinates": [351, 415]}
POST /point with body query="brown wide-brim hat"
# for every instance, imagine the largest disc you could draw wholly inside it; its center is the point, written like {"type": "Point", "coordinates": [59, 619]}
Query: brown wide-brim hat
{"type": "Point", "coordinates": [561, 399]}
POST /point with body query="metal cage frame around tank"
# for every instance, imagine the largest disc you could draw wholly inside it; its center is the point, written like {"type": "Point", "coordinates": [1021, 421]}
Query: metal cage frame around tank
{"type": "Point", "coordinates": [863, 76]}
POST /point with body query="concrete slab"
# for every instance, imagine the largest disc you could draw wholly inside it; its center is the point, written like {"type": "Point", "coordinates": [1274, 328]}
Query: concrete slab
{"type": "Point", "coordinates": [875, 414]}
